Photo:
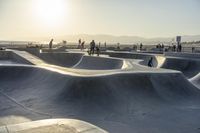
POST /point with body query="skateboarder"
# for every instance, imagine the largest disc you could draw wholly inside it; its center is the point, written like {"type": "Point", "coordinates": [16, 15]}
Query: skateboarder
{"type": "Point", "coordinates": [150, 63]}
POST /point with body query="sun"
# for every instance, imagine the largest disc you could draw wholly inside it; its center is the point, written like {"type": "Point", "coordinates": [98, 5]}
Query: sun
{"type": "Point", "coordinates": [50, 12]}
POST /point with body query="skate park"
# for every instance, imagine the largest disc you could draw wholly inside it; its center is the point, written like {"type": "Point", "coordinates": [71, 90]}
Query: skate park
{"type": "Point", "coordinates": [115, 92]}
{"type": "Point", "coordinates": [99, 66]}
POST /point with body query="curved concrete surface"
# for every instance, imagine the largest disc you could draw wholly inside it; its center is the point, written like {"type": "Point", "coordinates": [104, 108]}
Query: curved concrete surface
{"type": "Point", "coordinates": [189, 67]}
{"type": "Point", "coordinates": [52, 126]}
{"type": "Point", "coordinates": [12, 58]}
{"type": "Point", "coordinates": [143, 58]}
{"type": "Point", "coordinates": [150, 102]}
{"type": "Point", "coordinates": [80, 61]}
{"type": "Point", "coordinates": [55, 57]}
{"type": "Point", "coordinates": [187, 63]}
{"type": "Point", "coordinates": [61, 59]}
{"type": "Point", "coordinates": [181, 62]}
{"type": "Point", "coordinates": [137, 99]}
{"type": "Point", "coordinates": [99, 63]}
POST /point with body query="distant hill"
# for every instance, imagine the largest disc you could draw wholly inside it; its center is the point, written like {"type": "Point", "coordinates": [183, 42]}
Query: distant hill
{"type": "Point", "coordinates": [110, 39]}
{"type": "Point", "coordinates": [127, 39]}
{"type": "Point", "coordinates": [191, 38]}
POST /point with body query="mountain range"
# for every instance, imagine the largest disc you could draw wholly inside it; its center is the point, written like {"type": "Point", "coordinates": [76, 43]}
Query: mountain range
{"type": "Point", "coordinates": [126, 39]}
{"type": "Point", "coordinates": [110, 39]}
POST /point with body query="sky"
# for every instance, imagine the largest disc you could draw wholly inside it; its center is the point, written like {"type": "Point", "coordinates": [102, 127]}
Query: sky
{"type": "Point", "coordinates": [26, 19]}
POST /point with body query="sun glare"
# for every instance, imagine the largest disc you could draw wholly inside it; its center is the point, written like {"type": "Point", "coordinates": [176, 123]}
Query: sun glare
{"type": "Point", "coordinates": [50, 12]}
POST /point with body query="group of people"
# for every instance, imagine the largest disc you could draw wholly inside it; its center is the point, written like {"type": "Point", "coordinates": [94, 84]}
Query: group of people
{"type": "Point", "coordinates": [177, 48]}
{"type": "Point", "coordinates": [81, 44]}
{"type": "Point", "coordinates": [93, 47]}
{"type": "Point", "coordinates": [160, 46]}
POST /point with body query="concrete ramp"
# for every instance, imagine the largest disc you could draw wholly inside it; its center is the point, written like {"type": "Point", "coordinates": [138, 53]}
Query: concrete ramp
{"type": "Point", "coordinates": [61, 59]}
{"type": "Point", "coordinates": [99, 63]}
{"type": "Point", "coordinates": [128, 102]}
{"type": "Point", "coordinates": [189, 67]}
{"type": "Point", "coordinates": [137, 99]}
{"type": "Point", "coordinates": [80, 61]}
{"type": "Point", "coordinates": [142, 58]}
{"type": "Point", "coordinates": [51, 56]}
{"type": "Point", "coordinates": [188, 64]}
{"type": "Point", "coordinates": [9, 57]}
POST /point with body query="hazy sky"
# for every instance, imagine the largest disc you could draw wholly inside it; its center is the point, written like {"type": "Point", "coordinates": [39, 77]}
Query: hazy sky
{"type": "Point", "coordinates": [147, 18]}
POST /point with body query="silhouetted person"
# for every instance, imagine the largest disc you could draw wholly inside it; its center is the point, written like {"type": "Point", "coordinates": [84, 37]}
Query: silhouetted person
{"type": "Point", "coordinates": [141, 45]}
{"type": "Point", "coordinates": [92, 47]}
{"type": "Point", "coordinates": [162, 46]}
{"type": "Point", "coordinates": [82, 45]}
{"type": "Point", "coordinates": [118, 46]}
{"type": "Point", "coordinates": [159, 46]}
{"type": "Point", "coordinates": [193, 49]}
{"type": "Point", "coordinates": [79, 43]}
{"type": "Point", "coordinates": [180, 48]}
{"type": "Point", "coordinates": [150, 63]}
{"type": "Point", "coordinates": [134, 47]}
{"type": "Point", "coordinates": [51, 44]}
{"type": "Point", "coordinates": [98, 50]}
{"type": "Point", "coordinates": [99, 44]}
{"type": "Point", "coordinates": [174, 48]}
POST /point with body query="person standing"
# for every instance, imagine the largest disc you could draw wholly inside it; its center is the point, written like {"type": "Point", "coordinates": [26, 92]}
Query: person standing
{"type": "Point", "coordinates": [141, 46]}
{"type": "Point", "coordinates": [162, 47]}
{"type": "Point", "coordinates": [193, 49]}
{"type": "Point", "coordinates": [99, 44]}
{"type": "Point", "coordinates": [180, 48]}
{"type": "Point", "coordinates": [92, 47]}
{"type": "Point", "coordinates": [98, 50]}
{"type": "Point", "coordinates": [174, 47]}
{"type": "Point", "coordinates": [82, 45]}
{"type": "Point", "coordinates": [51, 44]}
{"type": "Point", "coordinates": [79, 43]}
